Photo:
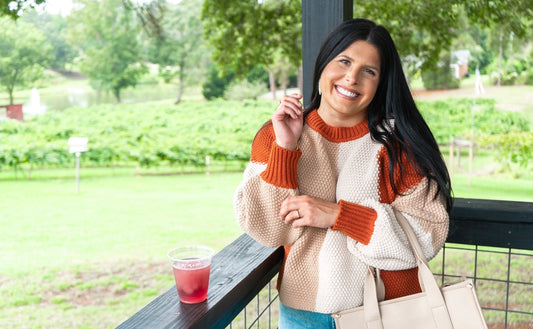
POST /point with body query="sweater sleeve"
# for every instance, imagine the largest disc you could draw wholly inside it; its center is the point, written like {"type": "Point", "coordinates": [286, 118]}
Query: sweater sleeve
{"type": "Point", "coordinates": [355, 221]}
{"type": "Point", "coordinates": [374, 234]}
{"type": "Point", "coordinates": [269, 178]}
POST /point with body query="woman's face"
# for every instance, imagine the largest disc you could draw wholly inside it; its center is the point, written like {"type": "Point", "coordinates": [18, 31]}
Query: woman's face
{"type": "Point", "coordinates": [349, 83]}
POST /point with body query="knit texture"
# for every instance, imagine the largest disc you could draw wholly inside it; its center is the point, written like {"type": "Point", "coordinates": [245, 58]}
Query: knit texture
{"type": "Point", "coordinates": [324, 269]}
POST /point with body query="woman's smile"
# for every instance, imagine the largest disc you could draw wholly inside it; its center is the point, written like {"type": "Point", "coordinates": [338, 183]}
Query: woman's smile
{"type": "Point", "coordinates": [350, 93]}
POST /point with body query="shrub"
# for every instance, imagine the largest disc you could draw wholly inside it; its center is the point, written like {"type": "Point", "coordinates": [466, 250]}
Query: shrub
{"type": "Point", "coordinates": [216, 85]}
{"type": "Point", "coordinates": [511, 148]}
{"type": "Point", "coordinates": [441, 77]}
{"type": "Point", "coordinates": [527, 76]}
{"type": "Point", "coordinates": [506, 78]}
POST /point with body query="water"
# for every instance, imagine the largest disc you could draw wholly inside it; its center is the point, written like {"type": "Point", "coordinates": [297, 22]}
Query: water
{"type": "Point", "coordinates": [34, 106]}
{"type": "Point", "coordinates": [75, 96]}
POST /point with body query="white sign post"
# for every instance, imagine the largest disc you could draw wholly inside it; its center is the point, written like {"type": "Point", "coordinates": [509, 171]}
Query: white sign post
{"type": "Point", "coordinates": [78, 145]}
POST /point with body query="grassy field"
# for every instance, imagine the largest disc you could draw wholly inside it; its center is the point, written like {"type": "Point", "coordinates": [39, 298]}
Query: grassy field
{"type": "Point", "coordinates": [67, 256]}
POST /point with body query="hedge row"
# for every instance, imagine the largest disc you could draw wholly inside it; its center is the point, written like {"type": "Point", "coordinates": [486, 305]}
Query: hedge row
{"type": "Point", "coordinates": [151, 134]}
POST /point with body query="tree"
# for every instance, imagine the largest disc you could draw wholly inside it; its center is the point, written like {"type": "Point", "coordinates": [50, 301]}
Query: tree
{"type": "Point", "coordinates": [178, 45]}
{"type": "Point", "coordinates": [249, 33]}
{"type": "Point", "coordinates": [426, 29]}
{"type": "Point", "coordinates": [14, 8]}
{"type": "Point", "coordinates": [23, 53]}
{"type": "Point", "coordinates": [54, 27]}
{"type": "Point", "coordinates": [107, 34]}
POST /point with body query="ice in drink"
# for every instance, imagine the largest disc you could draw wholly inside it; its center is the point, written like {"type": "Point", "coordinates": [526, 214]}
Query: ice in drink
{"type": "Point", "coordinates": [192, 283]}
{"type": "Point", "coordinates": [191, 266]}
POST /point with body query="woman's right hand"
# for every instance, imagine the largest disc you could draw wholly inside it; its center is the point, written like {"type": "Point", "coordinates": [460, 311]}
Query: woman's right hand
{"type": "Point", "coordinates": [288, 121]}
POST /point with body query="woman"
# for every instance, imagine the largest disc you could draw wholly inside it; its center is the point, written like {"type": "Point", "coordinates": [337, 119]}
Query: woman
{"type": "Point", "coordinates": [323, 181]}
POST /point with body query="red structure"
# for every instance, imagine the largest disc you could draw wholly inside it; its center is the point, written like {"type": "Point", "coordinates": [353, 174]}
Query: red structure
{"type": "Point", "coordinates": [14, 111]}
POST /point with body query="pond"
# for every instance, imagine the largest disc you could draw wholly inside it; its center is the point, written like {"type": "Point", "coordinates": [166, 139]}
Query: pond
{"type": "Point", "coordinates": [76, 95]}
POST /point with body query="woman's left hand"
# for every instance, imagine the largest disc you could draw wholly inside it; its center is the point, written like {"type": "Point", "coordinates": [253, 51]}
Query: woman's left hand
{"type": "Point", "coordinates": [305, 210]}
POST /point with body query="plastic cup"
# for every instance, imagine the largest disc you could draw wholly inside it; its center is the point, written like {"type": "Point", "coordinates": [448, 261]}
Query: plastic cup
{"type": "Point", "coordinates": [191, 266]}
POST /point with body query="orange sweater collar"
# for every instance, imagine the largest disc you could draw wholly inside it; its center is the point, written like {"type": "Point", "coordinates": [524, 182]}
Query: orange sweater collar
{"type": "Point", "coordinates": [336, 134]}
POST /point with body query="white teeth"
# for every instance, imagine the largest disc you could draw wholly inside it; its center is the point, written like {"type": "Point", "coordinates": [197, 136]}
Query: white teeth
{"type": "Point", "coordinates": [346, 92]}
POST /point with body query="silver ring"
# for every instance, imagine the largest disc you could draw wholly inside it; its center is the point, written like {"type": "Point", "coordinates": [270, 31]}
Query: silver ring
{"type": "Point", "coordinates": [298, 214]}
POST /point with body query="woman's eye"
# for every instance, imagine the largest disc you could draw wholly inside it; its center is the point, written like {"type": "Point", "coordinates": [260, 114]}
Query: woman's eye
{"type": "Point", "coordinates": [371, 72]}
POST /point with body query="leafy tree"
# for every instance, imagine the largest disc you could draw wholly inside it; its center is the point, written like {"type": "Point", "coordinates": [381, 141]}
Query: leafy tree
{"type": "Point", "coordinates": [107, 34]}
{"type": "Point", "coordinates": [249, 33]}
{"type": "Point", "coordinates": [23, 53]}
{"type": "Point", "coordinates": [178, 45]}
{"type": "Point", "coordinates": [476, 40]}
{"type": "Point", "coordinates": [54, 27]}
{"type": "Point", "coordinates": [427, 28]}
{"type": "Point", "coordinates": [14, 8]}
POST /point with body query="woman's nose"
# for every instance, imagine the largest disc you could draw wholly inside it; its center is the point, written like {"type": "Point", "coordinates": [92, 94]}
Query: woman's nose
{"type": "Point", "coordinates": [351, 76]}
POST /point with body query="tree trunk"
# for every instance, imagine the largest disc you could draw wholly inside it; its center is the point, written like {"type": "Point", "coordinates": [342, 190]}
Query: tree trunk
{"type": "Point", "coordinates": [180, 89]}
{"type": "Point", "coordinates": [272, 81]}
{"type": "Point", "coordinates": [500, 55]}
{"type": "Point", "coordinates": [11, 87]}
{"type": "Point", "coordinates": [181, 75]}
{"type": "Point", "coordinates": [10, 92]}
{"type": "Point", "coordinates": [116, 92]}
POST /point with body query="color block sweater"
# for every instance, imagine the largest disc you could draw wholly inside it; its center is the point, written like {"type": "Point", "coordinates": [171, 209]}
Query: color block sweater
{"type": "Point", "coordinates": [324, 269]}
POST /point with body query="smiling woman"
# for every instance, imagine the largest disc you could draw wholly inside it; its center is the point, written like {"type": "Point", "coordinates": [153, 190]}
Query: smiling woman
{"type": "Point", "coordinates": [325, 182]}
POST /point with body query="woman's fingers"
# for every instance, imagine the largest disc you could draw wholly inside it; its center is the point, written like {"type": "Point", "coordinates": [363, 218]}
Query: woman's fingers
{"type": "Point", "coordinates": [290, 105]}
{"type": "Point", "coordinates": [304, 210]}
{"type": "Point", "coordinates": [288, 121]}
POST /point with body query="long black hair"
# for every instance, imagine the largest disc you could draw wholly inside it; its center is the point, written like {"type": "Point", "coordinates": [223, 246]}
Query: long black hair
{"type": "Point", "coordinates": [393, 117]}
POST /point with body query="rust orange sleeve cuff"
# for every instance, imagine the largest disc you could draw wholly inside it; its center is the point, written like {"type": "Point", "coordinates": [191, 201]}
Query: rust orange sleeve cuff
{"type": "Point", "coordinates": [355, 221]}
{"type": "Point", "coordinates": [281, 167]}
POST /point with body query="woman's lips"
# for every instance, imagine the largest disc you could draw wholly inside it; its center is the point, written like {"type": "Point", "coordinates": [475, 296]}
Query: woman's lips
{"type": "Point", "coordinates": [346, 92]}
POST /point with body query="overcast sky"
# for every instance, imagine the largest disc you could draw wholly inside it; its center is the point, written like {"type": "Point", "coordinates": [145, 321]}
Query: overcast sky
{"type": "Point", "coordinates": [64, 7]}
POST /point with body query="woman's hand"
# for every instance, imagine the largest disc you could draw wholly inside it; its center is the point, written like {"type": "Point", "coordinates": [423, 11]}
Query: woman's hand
{"type": "Point", "coordinates": [305, 210]}
{"type": "Point", "coordinates": [288, 121]}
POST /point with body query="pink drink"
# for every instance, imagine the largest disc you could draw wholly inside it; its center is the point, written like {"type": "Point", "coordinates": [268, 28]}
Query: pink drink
{"type": "Point", "coordinates": [191, 266]}
{"type": "Point", "coordinates": [192, 283]}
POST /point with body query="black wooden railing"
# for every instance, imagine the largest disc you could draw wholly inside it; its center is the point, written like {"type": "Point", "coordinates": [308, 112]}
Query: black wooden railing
{"type": "Point", "coordinates": [477, 228]}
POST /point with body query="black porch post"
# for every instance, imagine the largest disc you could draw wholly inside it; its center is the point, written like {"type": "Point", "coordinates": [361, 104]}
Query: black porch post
{"type": "Point", "coordinates": [318, 18]}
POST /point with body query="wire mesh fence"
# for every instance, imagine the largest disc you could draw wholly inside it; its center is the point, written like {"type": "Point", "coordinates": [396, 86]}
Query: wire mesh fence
{"type": "Point", "coordinates": [262, 312]}
{"type": "Point", "coordinates": [503, 278]}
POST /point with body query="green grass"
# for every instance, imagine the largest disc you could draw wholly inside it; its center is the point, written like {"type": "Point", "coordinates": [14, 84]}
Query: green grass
{"type": "Point", "coordinates": [112, 218]}
{"type": "Point", "coordinates": [92, 259]}
{"type": "Point", "coordinates": [493, 188]}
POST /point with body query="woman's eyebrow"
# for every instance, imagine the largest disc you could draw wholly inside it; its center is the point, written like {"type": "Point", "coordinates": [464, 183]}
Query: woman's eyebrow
{"type": "Point", "coordinates": [351, 59]}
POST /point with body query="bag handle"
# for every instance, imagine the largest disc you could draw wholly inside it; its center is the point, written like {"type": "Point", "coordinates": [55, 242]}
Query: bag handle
{"type": "Point", "coordinates": [425, 277]}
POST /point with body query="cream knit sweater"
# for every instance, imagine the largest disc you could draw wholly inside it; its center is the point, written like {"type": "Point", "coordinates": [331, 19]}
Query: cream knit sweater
{"type": "Point", "coordinates": [324, 269]}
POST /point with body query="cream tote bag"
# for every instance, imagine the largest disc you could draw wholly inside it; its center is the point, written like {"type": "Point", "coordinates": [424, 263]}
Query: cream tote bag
{"type": "Point", "coordinates": [453, 306]}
